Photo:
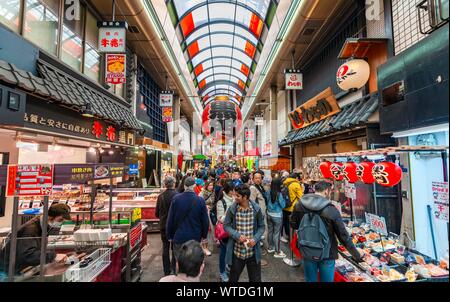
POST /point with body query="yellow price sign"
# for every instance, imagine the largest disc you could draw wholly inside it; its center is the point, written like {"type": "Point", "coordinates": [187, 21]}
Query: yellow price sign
{"type": "Point", "coordinates": [137, 214]}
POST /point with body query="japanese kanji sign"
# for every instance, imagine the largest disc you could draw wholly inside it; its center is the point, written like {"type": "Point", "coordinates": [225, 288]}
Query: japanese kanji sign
{"type": "Point", "coordinates": [112, 39]}
{"type": "Point", "coordinates": [440, 200]}
{"type": "Point", "coordinates": [29, 180]}
{"type": "Point", "coordinates": [166, 99]}
{"type": "Point", "coordinates": [167, 114]}
{"type": "Point", "coordinates": [116, 69]}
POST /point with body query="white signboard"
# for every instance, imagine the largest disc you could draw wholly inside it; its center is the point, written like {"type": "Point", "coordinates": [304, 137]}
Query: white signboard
{"type": "Point", "coordinates": [377, 223]}
{"type": "Point", "coordinates": [440, 200]}
{"type": "Point", "coordinates": [350, 190]}
{"type": "Point", "coordinates": [112, 39]}
{"type": "Point", "coordinates": [259, 121]}
{"type": "Point", "coordinates": [166, 99]}
{"type": "Point", "coordinates": [294, 80]}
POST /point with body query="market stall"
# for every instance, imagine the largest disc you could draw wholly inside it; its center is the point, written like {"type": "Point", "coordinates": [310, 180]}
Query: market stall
{"type": "Point", "coordinates": [389, 256]}
{"type": "Point", "coordinates": [103, 240]}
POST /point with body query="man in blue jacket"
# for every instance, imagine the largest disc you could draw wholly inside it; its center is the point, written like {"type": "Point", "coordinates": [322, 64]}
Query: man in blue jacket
{"type": "Point", "coordinates": [244, 221]}
{"type": "Point", "coordinates": [188, 217]}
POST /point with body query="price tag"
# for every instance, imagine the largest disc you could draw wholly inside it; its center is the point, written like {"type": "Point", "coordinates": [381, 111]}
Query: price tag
{"type": "Point", "coordinates": [137, 215]}
{"type": "Point", "coordinates": [377, 223]}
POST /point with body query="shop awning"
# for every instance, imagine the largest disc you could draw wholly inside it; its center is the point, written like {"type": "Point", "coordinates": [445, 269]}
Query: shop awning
{"type": "Point", "coordinates": [352, 115]}
{"type": "Point", "coordinates": [57, 86]}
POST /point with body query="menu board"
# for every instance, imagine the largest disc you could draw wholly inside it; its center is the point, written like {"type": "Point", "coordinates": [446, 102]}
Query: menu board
{"type": "Point", "coordinates": [29, 180]}
{"type": "Point", "coordinates": [440, 200]}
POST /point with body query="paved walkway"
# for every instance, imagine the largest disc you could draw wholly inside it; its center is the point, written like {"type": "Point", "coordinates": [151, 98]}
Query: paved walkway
{"type": "Point", "coordinates": [275, 271]}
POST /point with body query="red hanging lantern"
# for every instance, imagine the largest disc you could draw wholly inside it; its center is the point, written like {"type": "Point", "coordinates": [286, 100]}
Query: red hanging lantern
{"type": "Point", "coordinates": [350, 172]}
{"type": "Point", "coordinates": [364, 172]}
{"type": "Point", "coordinates": [337, 171]}
{"type": "Point", "coordinates": [387, 174]}
{"type": "Point", "coordinates": [325, 169]}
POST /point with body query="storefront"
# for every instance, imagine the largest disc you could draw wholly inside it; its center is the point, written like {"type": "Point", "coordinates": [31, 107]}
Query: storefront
{"type": "Point", "coordinates": [415, 111]}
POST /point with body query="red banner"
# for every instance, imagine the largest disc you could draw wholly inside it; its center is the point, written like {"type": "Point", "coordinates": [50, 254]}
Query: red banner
{"type": "Point", "coordinates": [29, 180]}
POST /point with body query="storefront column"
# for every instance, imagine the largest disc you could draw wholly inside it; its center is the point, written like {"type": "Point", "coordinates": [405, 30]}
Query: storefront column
{"type": "Point", "coordinates": [273, 121]}
{"type": "Point", "coordinates": [176, 131]}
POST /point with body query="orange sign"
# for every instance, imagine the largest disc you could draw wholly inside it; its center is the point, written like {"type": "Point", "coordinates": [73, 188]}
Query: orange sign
{"type": "Point", "coordinates": [116, 68]}
{"type": "Point", "coordinates": [318, 108]}
{"type": "Point", "coordinates": [167, 114]}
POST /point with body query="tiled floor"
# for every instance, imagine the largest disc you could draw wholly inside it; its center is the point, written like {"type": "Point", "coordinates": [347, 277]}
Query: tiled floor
{"type": "Point", "coordinates": [276, 271]}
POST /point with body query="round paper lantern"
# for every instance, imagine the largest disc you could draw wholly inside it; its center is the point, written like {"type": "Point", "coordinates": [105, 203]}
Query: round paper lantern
{"type": "Point", "coordinates": [350, 172]}
{"type": "Point", "coordinates": [325, 169]}
{"type": "Point", "coordinates": [387, 174]}
{"type": "Point", "coordinates": [220, 110]}
{"type": "Point", "coordinates": [364, 172]}
{"type": "Point", "coordinates": [353, 74]}
{"type": "Point", "coordinates": [337, 171]}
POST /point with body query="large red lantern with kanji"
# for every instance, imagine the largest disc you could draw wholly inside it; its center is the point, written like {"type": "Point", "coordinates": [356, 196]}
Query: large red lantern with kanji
{"type": "Point", "coordinates": [218, 111]}
{"type": "Point", "coordinates": [325, 169]}
{"type": "Point", "coordinates": [364, 172]}
{"type": "Point", "coordinates": [337, 171]}
{"type": "Point", "coordinates": [387, 174]}
{"type": "Point", "coordinates": [350, 172]}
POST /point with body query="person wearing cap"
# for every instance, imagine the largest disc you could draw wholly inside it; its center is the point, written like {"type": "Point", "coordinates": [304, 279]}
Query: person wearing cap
{"type": "Point", "coordinates": [162, 211]}
{"type": "Point", "coordinates": [188, 217]}
{"type": "Point", "coordinates": [29, 237]}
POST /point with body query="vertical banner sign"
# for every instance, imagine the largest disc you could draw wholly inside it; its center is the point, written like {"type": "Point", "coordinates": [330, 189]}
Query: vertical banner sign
{"type": "Point", "coordinates": [167, 114]}
{"type": "Point", "coordinates": [116, 72]}
{"type": "Point", "coordinates": [377, 223]}
{"type": "Point", "coordinates": [249, 134]}
{"type": "Point", "coordinates": [259, 121]}
{"type": "Point", "coordinates": [29, 180]}
{"type": "Point", "coordinates": [112, 37]}
{"type": "Point", "coordinates": [440, 200]}
{"type": "Point", "coordinates": [293, 79]}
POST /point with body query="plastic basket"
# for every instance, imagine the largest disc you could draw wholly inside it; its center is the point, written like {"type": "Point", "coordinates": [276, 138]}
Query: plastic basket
{"type": "Point", "coordinates": [102, 259]}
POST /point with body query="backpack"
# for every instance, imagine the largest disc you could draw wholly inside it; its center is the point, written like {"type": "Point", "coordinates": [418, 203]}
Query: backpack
{"type": "Point", "coordinates": [286, 196]}
{"type": "Point", "coordinates": [313, 240]}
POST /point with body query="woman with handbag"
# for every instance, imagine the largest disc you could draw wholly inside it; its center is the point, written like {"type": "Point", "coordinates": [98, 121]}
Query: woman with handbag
{"type": "Point", "coordinates": [224, 203]}
{"type": "Point", "coordinates": [207, 194]}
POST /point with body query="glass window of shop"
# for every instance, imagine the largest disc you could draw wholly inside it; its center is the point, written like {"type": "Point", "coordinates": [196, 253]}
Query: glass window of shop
{"type": "Point", "coordinates": [41, 23]}
{"type": "Point", "coordinates": [91, 55]}
{"type": "Point", "coordinates": [72, 40]}
{"type": "Point", "coordinates": [10, 14]}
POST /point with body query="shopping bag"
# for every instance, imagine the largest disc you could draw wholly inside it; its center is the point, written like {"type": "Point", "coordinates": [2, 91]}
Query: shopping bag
{"type": "Point", "coordinates": [219, 231]}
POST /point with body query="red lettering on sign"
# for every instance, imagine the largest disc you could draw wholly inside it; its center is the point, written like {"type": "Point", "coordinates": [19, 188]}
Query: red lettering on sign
{"type": "Point", "coordinates": [97, 129]}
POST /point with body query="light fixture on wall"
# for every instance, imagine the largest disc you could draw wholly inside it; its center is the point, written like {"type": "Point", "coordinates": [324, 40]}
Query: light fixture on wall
{"type": "Point", "coordinates": [91, 150]}
{"type": "Point", "coordinates": [101, 150]}
{"type": "Point", "coordinates": [86, 110]}
{"type": "Point", "coordinates": [111, 152]}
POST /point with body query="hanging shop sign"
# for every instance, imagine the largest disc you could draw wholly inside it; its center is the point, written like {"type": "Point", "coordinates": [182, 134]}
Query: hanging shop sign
{"type": "Point", "coordinates": [167, 114]}
{"type": "Point", "coordinates": [440, 200]}
{"type": "Point", "coordinates": [318, 108]}
{"type": "Point", "coordinates": [293, 79]}
{"type": "Point", "coordinates": [325, 169]}
{"type": "Point", "coordinates": [259, 121]}
{"type": "Point", "coordinates": [29, 180]}
{"type": "Point", "coordinates": [59, 120]}
{"type": "Point", "coordinates": [353, 75]}
{"type": "Point", "coordinates": [116, 71]}
{"type": "Point", "coordinates": [387, 174]}
{"type": "Point", "coordinates": [134, 169]}
{"type": "Point", "coordinates": [337, 171]}
{"type": "Point", "coordinates": [249, 134]}
{"type": "Point", "coordinates": [267, 149]}
{"type": "Point", "coordinates": [166, 99]}
{"type": "Point", "coordinates": [377, 223]}
{"type": "Point", "coordinates": [112, 36]}
{"type": "Point", "coordinates": [350, 172]}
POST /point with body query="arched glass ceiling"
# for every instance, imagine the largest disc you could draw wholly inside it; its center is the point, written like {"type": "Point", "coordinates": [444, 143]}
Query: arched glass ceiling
{"type": "Point", "coordinates": [222, 41]}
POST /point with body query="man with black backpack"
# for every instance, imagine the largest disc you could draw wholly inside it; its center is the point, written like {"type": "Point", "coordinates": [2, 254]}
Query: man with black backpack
{"type": "Point", "coordinates": [319, 225]}
{"type": "Point", "coordinates": [188, 217]}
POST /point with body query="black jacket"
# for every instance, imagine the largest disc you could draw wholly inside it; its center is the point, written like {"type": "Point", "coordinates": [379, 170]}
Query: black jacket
{"type": "Point", "coordinates": [162, 207]}
{"type": "Point", "coordinates": [28, 246]}
{"type": "Point", "coordinates": [332, 219]}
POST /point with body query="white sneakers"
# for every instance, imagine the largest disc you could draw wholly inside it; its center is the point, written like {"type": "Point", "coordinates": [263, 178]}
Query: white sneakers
{"type": "Point", "coordinates": [280, 255]}
{"type": "Point", "coordinates": [270, 251]}
{"type": "Point", "coordinates": [284, 240]}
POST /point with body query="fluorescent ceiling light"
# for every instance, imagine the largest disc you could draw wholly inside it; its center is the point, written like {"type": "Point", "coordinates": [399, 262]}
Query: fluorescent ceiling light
{"type": "Point", "coordinates": [419, 131]}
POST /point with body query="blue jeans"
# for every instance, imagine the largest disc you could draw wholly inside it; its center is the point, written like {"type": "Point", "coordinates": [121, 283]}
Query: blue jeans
{"type": "Point", "coordinates": [325, 267]}
{"type": "Point", "coordinates": [223, 253]}
{"type": "Point", "coordinates": [274, 232]}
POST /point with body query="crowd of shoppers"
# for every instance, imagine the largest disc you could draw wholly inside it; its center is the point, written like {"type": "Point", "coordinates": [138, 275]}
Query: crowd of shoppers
{"type": "Point", "coordinates": [246, 215]}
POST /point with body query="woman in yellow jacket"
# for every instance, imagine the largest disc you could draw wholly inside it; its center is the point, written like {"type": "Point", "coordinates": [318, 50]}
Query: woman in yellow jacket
{"type": "Point", "coordinates": [296, 190]}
